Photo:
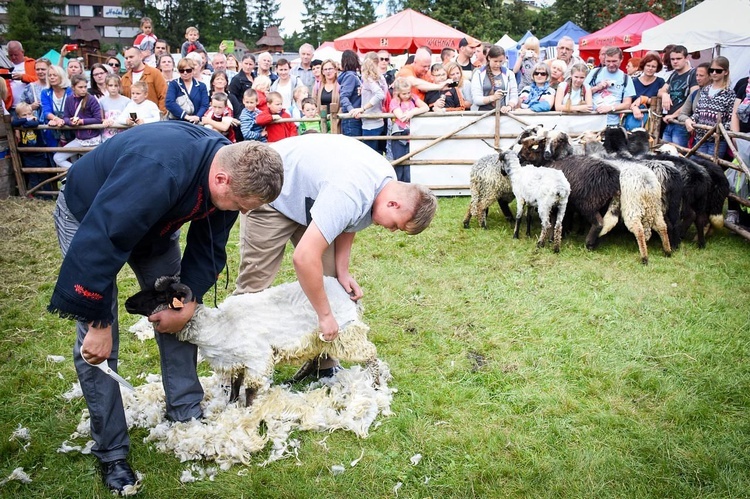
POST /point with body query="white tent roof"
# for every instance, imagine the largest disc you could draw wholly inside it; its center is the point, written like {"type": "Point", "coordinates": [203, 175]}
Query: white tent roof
{"type": "Point", "coordinates": [506, 42]}
{"type": "Point", "coordinates": [710, 23]}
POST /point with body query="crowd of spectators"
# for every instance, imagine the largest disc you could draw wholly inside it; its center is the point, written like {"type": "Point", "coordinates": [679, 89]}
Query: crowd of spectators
{"type": "Point", "coordinates": [219, 92]}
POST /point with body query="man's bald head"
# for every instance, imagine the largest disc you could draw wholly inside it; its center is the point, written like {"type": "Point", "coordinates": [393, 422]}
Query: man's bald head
{"type": "Point", "coordinates": [422, 62]}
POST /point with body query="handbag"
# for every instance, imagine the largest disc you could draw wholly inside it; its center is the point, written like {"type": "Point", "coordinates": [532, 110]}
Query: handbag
{"type": "Point", "coordinates": [184, 102]}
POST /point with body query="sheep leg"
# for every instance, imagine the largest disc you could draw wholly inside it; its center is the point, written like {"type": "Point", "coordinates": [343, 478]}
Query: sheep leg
{"type": "Point", "coordinates": [250, 394]}
{"type": "Point", "coordinates": [559, 224]}
{"type": "Point", "coordinates": [529, 214]}
{"type": "Point", "coordinates": [505, 208]}
{"type": "Point", "coordinates": [701, 220]}
{"type": "Point", "coordinates": [519, 214]}
{"type": "Point", "coordinates": [640, 236]}
{"type": "Point", "coordinates": [661, 229]}
{"type": "Point", "coordinates": [596, 226]}
{"type": "Point", "coordinates": [467, 218]}
{"type": "Point", "coordinates": [544, 216]}
{"type": "Point", "coordinates": [237, 381]}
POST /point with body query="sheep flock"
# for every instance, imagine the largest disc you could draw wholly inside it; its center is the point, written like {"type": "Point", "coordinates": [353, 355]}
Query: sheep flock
{"type": "Point", "coordinates": [602, 180]}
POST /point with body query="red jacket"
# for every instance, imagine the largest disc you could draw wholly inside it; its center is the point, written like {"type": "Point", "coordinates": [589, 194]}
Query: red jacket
{"type": "Point", "coordinates": [276, 131]}
{"type": "Point", "coordinates": [29, 76]}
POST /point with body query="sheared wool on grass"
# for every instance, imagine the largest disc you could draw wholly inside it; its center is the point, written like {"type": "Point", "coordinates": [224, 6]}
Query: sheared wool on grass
{"type": "Point", "coordinates": [229, 434]}
{"type": "Point", "coordinates": [17, 474]}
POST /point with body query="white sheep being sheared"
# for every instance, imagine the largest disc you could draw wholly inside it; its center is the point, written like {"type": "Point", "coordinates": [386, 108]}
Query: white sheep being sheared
{"type": "Point", "coordinates": [542, 187]}
{"type": "Point", "coordinates": [248, 334]}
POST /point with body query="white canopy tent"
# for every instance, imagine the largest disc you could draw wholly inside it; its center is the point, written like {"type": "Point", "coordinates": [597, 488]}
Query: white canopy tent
{"type": "Point", "coordinates": [716, 25]}
{"type": "Point", "coordinates": [506, 42]}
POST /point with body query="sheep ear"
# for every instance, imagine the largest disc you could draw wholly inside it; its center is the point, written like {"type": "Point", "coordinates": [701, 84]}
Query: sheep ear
{"type": "Point", "coordinates": [143, 302]}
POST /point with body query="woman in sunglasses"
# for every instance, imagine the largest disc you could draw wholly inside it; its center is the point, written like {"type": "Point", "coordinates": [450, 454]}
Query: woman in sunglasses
{"type": "Point", "coordinates": [539, 96]}
{"type": "Point", "coordinates": [187, 97]}
{"type": "Point", "coordinates": [714, 99]}
{"type": "Point", "coordinates": [114, 63]}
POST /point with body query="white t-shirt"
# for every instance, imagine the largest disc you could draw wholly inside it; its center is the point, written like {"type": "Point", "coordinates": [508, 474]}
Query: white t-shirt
{"type": "Point", "coordinates": [17, 86]}
{"type": "Point", "coordinates": [332, 180]}
{"type": "Point", "coordinates": [146, 110]}
{"type": "Point", "coordinates": [112, 109]}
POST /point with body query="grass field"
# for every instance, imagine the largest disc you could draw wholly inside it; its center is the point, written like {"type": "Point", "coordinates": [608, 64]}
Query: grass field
{"type": "Point", "coordinates": [520, 373]}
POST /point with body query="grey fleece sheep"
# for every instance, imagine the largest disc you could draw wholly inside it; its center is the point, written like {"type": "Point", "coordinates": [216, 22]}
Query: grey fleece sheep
{"type": "Point", "coordinates": [488, 185]}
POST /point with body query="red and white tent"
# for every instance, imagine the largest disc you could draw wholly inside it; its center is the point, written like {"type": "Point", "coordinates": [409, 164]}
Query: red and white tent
{"type": "Point", "coordinates": [623, 33]}
{"type": "Point", "coordinates": [402, 32]}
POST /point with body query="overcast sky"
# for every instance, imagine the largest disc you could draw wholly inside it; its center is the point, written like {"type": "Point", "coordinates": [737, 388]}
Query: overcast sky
{"type": "Point", "coordinates": [293, 10]}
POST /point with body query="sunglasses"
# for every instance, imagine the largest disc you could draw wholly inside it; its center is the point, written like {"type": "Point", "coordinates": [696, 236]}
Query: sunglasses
{"type": "Point", "coordinates": [113, 64]}
{"type": "Point", "coordinates": [386, 59]}
{"type": "Point", "coordinates": [539, 73]}
{"type": "Point", "coordinates": [715, 70]}
{"type": "Point", "coordinates": [184, 70]}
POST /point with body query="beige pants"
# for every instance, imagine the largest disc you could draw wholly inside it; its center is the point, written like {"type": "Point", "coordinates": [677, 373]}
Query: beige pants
{"type": "Point", "coordinates": [264, 233]}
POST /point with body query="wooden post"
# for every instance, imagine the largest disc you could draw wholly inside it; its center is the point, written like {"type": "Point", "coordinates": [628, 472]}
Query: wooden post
{"type": "Point", "coordinates": [334, 114]}
{"type": "Point", "coordinates": [15, 158]}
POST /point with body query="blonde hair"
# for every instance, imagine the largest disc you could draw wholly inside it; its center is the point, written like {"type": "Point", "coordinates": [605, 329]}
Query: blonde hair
{"type": "Point", "coordinates": [140, 85]}
{"type": "Point", "coordinates": [191, 29]}
{"type": "Point", "coordinates": [370, 69]}
{"type": "Point", "coordinates": [401, 85]}
{"type": "Point", "coordinates": [62, 74]}
{"type": "Point", "coordinates": [255, 170]}
{"type": "Point", "coordinates": [450, 67]}
{"type": "Point", "coordinates": [145, 20]}
{"type": "Point", "coordinates": [298, 92]}
{"type": "Point", "coordinates": [22, 107]}
{"type": "Point", "coordinates": [532, 43]}
{"type": "Point", "coordinates": [186, 62]}
{"type": "Point", "coordinates": [425, 206]}
{"type": "Point", "coordinates": [262, 83]}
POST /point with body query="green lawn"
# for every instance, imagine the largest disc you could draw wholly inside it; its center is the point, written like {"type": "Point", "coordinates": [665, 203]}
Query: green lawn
{"type": "Point", "coordinates": [520, 372]}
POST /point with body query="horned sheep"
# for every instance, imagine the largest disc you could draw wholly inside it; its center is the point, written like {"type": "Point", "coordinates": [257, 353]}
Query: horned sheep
{"type": "Point", "coordinates": [545, 188]}
{"type": "Point", "coordinates": [248, 334]}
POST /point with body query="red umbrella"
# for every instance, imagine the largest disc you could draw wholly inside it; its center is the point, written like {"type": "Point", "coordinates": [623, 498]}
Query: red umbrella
{"type": "Point", "coordinates": [405, 31]}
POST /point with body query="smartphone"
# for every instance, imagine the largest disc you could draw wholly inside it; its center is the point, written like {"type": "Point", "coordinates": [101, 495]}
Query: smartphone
{"type": "Point", "coordinates": [134, 116]}
{"type": "Point", "coordinates": [229, 46]}
{"type": "Point", "coordinates": [453, 84]}
{"type": "Point", "coordinates": [70, 47]}
{"type": "Point", "coordinates": [7, 76]}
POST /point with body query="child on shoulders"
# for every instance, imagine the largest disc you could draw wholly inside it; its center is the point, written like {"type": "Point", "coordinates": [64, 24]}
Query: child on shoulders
{"type": "Point", "coordinates": [192, 43]}
{"type": "Point", "coordinates": [146, 41]}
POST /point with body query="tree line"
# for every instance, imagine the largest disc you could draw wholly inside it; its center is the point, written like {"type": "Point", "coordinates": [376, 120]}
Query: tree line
{"type": "Point", "coordinates": [36, 23]}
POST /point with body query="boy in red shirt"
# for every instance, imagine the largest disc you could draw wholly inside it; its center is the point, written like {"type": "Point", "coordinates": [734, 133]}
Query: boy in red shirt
{"type": "Point", "coordinates": [276, 131]}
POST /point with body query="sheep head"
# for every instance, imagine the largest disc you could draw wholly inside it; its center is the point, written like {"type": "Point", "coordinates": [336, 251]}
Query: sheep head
{"type": "Point", "coordinates": [639, 141]}
{"type": "Point", "coordinates": [557, 145]}
{"type": "Point", "coordinates": [615, 139]}
{"type": "Point", "coordinates": [509, 160]}
{"type": "Point", "coordinates": [536, 131]}
{"type": "Point", "coordinates": [168, 292]}
{"type": "Point", "coordinates": [669, 149]}
{"type": "Point", "coordinates": [532, 150]}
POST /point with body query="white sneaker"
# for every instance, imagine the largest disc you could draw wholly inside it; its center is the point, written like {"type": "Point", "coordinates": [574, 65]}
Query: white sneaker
{"type": "Point", "coordinates": [732, 217]}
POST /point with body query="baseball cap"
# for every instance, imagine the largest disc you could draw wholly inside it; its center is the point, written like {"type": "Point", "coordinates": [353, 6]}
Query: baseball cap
{"type": "Point", "coordinates": [471, 42]}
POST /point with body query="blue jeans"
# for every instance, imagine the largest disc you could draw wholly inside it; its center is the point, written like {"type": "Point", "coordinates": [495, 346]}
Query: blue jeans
{"type": "Point", "coordinates": [677, 134]}
{"type": "Point", "coordinates": [178, 359]}
{"type": "Point", "coordinates": [351, 127]}
{"type": "Point", "coordinates": [401, 148]}
{"type": "Point", "coordinates": [375, 145]}
{"type": "Point", "coordinates": [708, 148]}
